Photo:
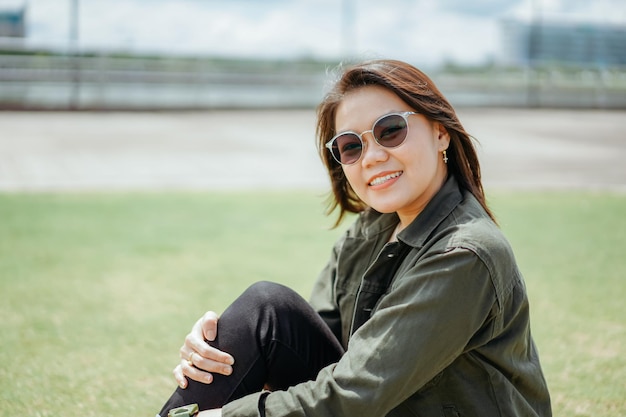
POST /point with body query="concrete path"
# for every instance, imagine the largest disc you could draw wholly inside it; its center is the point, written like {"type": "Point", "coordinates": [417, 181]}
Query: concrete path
{"type": "Point", "coordinates": [44, 151]}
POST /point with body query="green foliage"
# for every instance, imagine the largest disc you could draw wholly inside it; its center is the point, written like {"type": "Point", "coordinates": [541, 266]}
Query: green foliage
{"type": "Point", "coordinates": [98, 290]}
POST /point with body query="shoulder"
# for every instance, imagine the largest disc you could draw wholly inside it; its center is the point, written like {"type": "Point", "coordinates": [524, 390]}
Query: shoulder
{"type": "Point", "coordinates": [470, 228]}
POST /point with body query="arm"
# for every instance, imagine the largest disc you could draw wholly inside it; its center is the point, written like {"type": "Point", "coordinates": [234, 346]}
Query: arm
{"type": "Point", "coordinates": [323, 295]}
{"type": "Point", "coordinates": [426, 321]}
{"type": "Point", "coordinates": [210, 413]}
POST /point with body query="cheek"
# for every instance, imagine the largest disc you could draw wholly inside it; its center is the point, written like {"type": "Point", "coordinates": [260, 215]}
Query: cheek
{"type": "Point", "coordinates": [424, 160]}
{"type": "Point", "coordinates": [351, 174]}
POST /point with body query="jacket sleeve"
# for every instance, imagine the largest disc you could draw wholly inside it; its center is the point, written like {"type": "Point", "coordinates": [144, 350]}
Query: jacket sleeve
{"type": "Point", "coordinates": [323, 301]}
{"type": "Point", "coordinates": [429, 317]}
{"type": "Point", "coordinates": [323, 298]}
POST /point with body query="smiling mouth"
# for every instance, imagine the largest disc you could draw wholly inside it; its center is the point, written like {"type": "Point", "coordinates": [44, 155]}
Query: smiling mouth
{"type": "Point", "coordinates": [384, 179]}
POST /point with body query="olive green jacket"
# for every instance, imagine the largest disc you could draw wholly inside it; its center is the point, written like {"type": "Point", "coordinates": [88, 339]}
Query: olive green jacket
{"type": "Point", "coordinates": [436, 324]}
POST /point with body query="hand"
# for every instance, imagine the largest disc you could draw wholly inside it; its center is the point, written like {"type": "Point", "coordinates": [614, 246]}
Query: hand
{"type": "Point", "coordinates": [198, 359]}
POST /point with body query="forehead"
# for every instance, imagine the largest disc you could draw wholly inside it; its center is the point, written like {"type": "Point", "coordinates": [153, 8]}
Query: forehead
{"type": "Point", "coordinates": [361, 107]}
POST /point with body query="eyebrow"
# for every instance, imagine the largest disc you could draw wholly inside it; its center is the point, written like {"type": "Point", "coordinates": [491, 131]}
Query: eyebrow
{"type": "Point", "coordinates": [372, 124]}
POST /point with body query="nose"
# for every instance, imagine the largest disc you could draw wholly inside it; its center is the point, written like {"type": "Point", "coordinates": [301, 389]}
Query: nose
{"type": "Point", "coordinates": [372, 151]}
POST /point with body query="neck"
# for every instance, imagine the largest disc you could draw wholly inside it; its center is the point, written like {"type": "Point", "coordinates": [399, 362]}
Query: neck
{"type": "Point", "coordinates": [394, 234]}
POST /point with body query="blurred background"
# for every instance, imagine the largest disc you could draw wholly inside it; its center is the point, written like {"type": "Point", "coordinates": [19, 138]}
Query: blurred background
{"type": "Point", "coordinates": [204, 54]}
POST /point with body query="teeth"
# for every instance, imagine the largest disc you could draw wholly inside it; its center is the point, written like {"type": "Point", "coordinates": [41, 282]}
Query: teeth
{"type": "Point", "coordinates": [386, 178]}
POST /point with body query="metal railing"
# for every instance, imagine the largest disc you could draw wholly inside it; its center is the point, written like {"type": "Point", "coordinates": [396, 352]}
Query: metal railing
{"type": "Point", "coordinates": [53, 81]}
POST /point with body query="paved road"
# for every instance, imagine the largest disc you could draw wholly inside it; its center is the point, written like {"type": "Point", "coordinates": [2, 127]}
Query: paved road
{"type": "Point", "coordinates": [275, 149]}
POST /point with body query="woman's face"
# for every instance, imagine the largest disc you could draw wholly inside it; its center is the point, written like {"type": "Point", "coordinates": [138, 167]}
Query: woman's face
{"type": "Point", "coordinates": [401, 179]}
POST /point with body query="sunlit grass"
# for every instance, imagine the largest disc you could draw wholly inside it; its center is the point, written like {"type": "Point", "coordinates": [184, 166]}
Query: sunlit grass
{"type": "Point", "coordinates": [98, 290]}
{"type": "Point", "coordinates": [571, 249]}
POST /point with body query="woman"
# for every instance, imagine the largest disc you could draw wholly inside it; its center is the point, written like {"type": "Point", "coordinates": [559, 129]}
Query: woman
{"type": "Point", "coordinates": [421, 309]}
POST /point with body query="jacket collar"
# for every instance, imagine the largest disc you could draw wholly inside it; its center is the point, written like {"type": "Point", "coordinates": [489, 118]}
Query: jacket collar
{"type": "Point", "coordinates": [416, 234]}
{"type": "Point", "coordinates": [437, 209]}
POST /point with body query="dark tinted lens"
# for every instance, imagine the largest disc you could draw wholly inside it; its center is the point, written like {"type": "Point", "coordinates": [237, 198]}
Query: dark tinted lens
{"type": "Point", "coordinates": [390, 131]}
{"type": "Point", "coordinates": [347, 148]}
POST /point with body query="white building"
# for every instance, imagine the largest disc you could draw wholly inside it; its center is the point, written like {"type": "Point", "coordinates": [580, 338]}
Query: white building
{"type": "Point", "coordinates": [564, 43]}
{"type": "Point", "coordinates": [13, 22]}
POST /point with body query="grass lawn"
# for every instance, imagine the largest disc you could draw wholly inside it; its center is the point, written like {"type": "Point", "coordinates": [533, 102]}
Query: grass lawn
{"type": "Point", "coordinates": [98, 290]}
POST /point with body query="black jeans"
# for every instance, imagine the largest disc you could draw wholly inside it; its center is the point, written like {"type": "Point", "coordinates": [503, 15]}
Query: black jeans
{"type": "Point", "coordinates": [277, 341]}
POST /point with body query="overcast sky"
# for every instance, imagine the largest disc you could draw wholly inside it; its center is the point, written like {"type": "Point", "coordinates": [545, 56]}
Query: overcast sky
{"type": "Point", "coordinates": [425, 31]}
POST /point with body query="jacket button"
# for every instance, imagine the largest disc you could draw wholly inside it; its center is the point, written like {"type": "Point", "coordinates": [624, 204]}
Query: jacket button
{"type": "Point", "coordinates": [391, 255]}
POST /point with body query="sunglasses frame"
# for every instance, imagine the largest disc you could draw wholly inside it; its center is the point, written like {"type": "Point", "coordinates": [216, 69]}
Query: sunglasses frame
{"type": "Point", "coordinates": [405, 115]}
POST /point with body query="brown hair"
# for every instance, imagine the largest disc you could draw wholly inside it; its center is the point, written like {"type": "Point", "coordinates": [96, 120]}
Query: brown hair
{"type": "Point", "coordinates": [419, 92]}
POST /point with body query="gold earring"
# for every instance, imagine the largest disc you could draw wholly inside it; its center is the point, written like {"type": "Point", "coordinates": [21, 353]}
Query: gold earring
{"type": "Point", "coordinates": [445, 157]}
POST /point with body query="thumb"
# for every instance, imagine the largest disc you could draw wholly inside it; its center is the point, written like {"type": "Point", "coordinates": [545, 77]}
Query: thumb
{"type": "Point", "coordinates": [209, 325]}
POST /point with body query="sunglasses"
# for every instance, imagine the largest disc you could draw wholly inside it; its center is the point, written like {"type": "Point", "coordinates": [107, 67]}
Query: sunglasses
{"type": "Point", "coordinates": [389, 131]}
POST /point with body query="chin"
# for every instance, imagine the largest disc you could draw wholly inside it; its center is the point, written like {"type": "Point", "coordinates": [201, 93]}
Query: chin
{"type": "Point", "coordinates": [384, 208]}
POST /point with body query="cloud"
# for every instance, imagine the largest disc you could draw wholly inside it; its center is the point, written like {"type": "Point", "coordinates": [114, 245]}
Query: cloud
{"type": "Point", "coordinates": [11, 4]}
{"type": "Point", "coordinates": [185, 26]}
{"type": "Point", "coordinates": [492, 8]}
{"type": "Point", "coordinates": [421, 31]}
{"type": "Point", "coordinates": [424, 33]}
{"type": "Point", "coordinates": [597, 11]}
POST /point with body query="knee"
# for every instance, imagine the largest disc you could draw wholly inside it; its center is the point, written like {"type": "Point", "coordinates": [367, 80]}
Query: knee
{"type": "Point", "coordinates": [266, 308]}
{"type": "Point", "coordinates": [265, 292]}
{"type": "Point", "coordinates": [266, 295]}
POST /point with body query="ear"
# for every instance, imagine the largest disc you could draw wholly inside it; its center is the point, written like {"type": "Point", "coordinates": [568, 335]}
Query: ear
{"type": "Point", "coordinates": [442, 135]}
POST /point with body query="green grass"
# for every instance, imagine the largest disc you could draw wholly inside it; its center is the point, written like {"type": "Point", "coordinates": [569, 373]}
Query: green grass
{"type": "Point", "coordinates": [98, 290]}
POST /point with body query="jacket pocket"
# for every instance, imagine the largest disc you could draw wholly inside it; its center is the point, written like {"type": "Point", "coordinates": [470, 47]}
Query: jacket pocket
{"type": "Point", "coordinates": [450, 411]}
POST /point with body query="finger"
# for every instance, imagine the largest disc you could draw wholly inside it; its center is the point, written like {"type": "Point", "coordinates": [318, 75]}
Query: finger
{"type": "Point", "coordinates": [194, 373]}
{"type": "Point", "coordinates": [209, 365]}
{"type": "Point", "coordinates": [180, 377]}
{"type": "Point", "coordinates": [199, 346]}
{"type": "Point", "coordinates": [185, 351]}
{"type": "Point", "coordinates": [209, 325]}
